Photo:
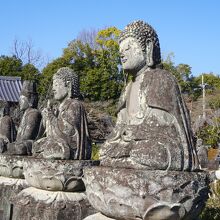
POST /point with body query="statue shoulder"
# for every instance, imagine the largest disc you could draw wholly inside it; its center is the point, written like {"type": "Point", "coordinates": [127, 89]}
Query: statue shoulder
{"type": "Point", "coordinates": [32, 114]}
{"type": "Point", "coordinates": [165, 76]}
{"type": "Point", "coordinates": [72, 106]}
{"type": "Point", "coordinates": [160, 80]}
{"type": "Point", "coordinates": [162, 89]}
{"type": "Point", "coordinates": [73, 103]}
{"type": "Point", "coordinates": [6, 119]}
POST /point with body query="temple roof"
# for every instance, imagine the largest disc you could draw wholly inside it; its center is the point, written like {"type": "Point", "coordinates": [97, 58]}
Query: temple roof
{"type": "Point", "coordinates": [10, 88]}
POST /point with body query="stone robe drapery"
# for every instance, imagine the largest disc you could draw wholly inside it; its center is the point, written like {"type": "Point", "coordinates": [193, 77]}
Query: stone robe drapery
{"type": "Point", "coordinates": [159, 136]}
{"type": "Point", "coordinates": [27, 133]}
{"type": "Point", "coordinates": [7, 129]}
{"type": "Point", "coordinates": [67, 135]}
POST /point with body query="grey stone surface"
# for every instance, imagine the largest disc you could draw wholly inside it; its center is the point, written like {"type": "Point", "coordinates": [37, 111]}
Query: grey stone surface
{"type": "Point", "coordinates": [66, 128]}
{"type": "Point", "coordinates": [7, 127]}
{"type": "Point", "coordinates": [36, 204]}
{"type": "Point", "coordinates": [129, 194]}
{"type": "Point", "coordinates": [97, 216]}
{"type": "Point", "coordinates": [202, 152]}
{"type": "Point", "coordinates": [30, 123]}
{"type": "Point", "coordinates": [56, 175]}
{"type": "Point", "coordinates": [9, 187]}
{"type": "Point", "coordinates": [11, 166]}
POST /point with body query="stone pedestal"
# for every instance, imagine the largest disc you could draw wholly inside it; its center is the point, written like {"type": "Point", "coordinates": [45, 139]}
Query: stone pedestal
{"type": "Point", "coordinates": [38, 204]}
{"type": "Point", "coordinates": [56, 192]}
{"type": "Point", "coordinates": [11, 166]}
{"type": "Point", "coordinates": [133, 194]}
{"type": "Point", "coordinates": [9, 188]}
{"type": "Point", "coordinates": [98, 216]}
{"type": "Point", "coordinates": [11, 182]}
{"type": "Point", "coordinates": [56, 175]}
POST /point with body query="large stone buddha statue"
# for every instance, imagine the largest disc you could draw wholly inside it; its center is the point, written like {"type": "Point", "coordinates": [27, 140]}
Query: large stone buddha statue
{"type": "Point", "coordinates": [66, 129]}
{"type": "Point", "coordinates": [149, 167]}
{"type": "Point", "coordinates": [153, 125]}
{"type": "Point", "coordinates": [30, 122]}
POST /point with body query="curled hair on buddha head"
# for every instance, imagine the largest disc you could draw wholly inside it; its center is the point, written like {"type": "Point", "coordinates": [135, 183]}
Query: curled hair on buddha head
{"type": "Point", "coordinates": [29, 90]}
{"type": "Point", "coordinates": [144, 34]}
{"type": "Point", "coordinates": [70, 79]}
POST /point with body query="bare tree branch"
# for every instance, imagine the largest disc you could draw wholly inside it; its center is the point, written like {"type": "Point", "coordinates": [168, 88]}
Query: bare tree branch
{"type": "Point", "coordinates": [26, 51]}
{"type": "Point", "coordinates": [88, 37]}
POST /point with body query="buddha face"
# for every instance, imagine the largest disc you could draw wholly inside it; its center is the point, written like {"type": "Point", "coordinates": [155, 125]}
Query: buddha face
{"type": "Point", "coordinates": [23, 102]}
{"type": "Point", "coordinates": [132, 56]}
{"type": "Point", "coordinates": [60, 89]}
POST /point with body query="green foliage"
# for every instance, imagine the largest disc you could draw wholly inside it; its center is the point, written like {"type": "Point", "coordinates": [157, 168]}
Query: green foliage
{"type": "Point", "coordinates": [210, 135]}
{"type": "Point", "coordinates": [99, 69]}
{"type": "Point", "coordinates": [107, 39]}
{"type": "Point", "coordinates": [80, 55]}
{"type": "Point", "coordinates": [182, 72]}
{"type": "Point", "coordinates": [95, 152]}
{"type": "Point", "coordinates": [30, 72]}
{"type": "Point", "coordinates": [211, 79]}
{"type": "Point", "coordinates": [214, 102]}
{"type": "Point", "coordinates": [212, 208]}
{"type": "Point", "coordinates": [10, 66]}
{"type": "Point", "coordinates": [108, 60]}
{"type": "Point", "coordinates": [45, 79]}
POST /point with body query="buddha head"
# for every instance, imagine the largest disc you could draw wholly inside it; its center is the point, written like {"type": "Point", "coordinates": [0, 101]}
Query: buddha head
{"type": "Point", "coordinates": [28, 96]}
{"type": "Point", "coordinates": [65, 84]}
{"type": "Point", "coordinates": [139, 46]}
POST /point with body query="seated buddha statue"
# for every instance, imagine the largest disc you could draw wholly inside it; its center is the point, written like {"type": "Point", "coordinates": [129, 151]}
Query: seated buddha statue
{"type": "Point", "coordinates": [30, 122]}
{"type": "Point", "coordinates": [66, 128]}
{"type": "Point", "coordinates": [7, 127]}
{"type": "Point", "coordinates": [153, 125]}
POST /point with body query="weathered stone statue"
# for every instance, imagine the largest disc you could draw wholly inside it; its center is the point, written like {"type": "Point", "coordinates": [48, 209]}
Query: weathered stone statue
{"type": "Point", "coordinates": [30, 122]}
{"type": "Point", "coordinates": [147, 164]}
{"type": "Point", "coordinates": [153, 127]}
{"type": "Point", "coordinates": [7, 128]}
{"type": "Point", "coordinates": [67, 135]}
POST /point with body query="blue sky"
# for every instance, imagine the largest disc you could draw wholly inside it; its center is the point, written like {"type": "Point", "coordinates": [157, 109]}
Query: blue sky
{"type": "Point", "coordinates": [188, 28]}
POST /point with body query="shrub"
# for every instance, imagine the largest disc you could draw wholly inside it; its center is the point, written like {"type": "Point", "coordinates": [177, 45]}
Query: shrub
{"type": "Point", "coordinates": [212, 209]}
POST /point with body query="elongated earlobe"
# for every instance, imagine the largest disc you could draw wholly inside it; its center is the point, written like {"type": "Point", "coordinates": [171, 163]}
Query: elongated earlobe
{"type": "Point", "coordinates": [70, 89]}
{"type": "Point", "coordinates": [149, 53]}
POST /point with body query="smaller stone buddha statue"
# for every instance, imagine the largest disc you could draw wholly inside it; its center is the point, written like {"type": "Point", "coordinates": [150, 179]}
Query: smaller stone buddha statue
{"type": "Point", "coordinates": [30, 122]}
{"type": "Point", "coordinates": [7, 127]}
{"type": "Point", "coordinates": [66, 128]}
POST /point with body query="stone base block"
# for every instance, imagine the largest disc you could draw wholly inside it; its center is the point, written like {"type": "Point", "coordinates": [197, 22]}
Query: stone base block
{"type": "Point", "coordinates": [39, 204]}
{"type": "Point", "coordinates": [98, 216]}
{"type": "Point", "coordinates": [9, 187]}
{"type": "Point", "coordinates": [131, 194]}
{"type": "Point", "coordinates": [11, 166]}
{"type": "Point", "coordinates": [56, 175]}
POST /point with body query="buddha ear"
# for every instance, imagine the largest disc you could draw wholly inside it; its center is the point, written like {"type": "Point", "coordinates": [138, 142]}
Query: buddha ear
{"type": "Point", "coordinates": [70, 89]}
{"type": "Point", "coordinates": [149, 52]}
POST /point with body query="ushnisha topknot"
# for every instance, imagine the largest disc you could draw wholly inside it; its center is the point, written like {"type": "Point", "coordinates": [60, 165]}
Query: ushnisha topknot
{"type": "Point", "coordinates": [142, 32]}
{"type": "Point", "coordinates": [68, 76]}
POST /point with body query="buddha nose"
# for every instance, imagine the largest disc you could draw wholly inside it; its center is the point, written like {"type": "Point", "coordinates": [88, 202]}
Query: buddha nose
{"type": "Point", "coordinates": [121, 54]}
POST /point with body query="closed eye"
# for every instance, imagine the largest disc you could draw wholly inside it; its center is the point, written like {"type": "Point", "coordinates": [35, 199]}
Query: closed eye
{"type": "Point", "coordinates": [127, 48]}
